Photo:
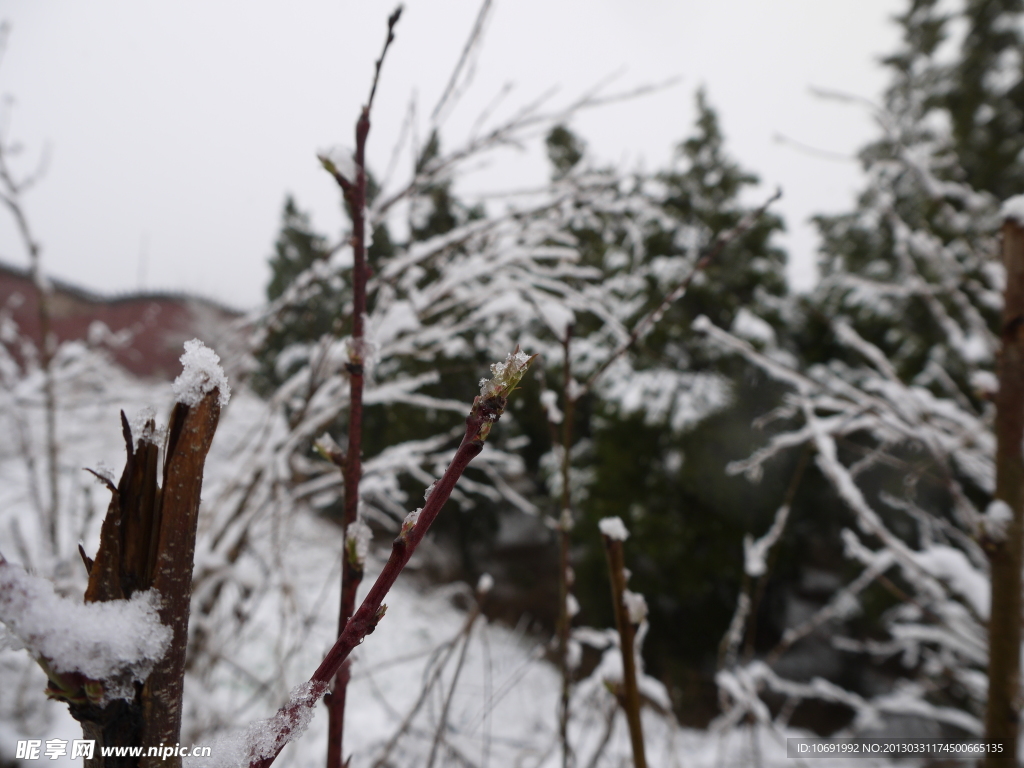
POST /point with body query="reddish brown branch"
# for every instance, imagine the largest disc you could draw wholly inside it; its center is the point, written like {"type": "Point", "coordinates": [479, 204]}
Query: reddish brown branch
{"type": "Point", "coordinates": [487, 409]}
{"type": "Point", "coordinates": [354, 192]}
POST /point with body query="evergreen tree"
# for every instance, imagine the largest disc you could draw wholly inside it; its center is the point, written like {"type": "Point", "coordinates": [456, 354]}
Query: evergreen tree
{"type": "Point", "coordinates": [435, 210]}
{"type": "Point", "coordinates": [314, 306]}
{"type": "Point", "coordinates": [985, 97]}
{"type": "Point", "coordinates": [658, 437]}
{"type": "Point", "coordinates": [896, 346]}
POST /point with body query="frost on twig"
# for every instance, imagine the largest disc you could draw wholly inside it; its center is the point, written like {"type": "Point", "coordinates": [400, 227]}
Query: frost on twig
{"type": "Point", "coordinates": [105, 647]}
{"type": "Point", "coordinates": [506, 375]}
{"type": "Point", "coordinates": [264, 738]}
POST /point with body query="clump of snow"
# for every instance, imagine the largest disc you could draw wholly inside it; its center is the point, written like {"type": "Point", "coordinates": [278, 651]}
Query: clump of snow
{"type": "Point", "coordinates": [996, 520]}
{"type": "Point", "coordinates": [141, 428]}
{"type": "Point", "coordinates": [341, 159]}
{"type": "Point", "coordinates": [755, 552]}
{"type": "Point", "coordinates": [357, 540]}
{"type": "Point", "coordinates": [328, 447]}
{"type": "Point", "coordinates": [701, 324]}
{"type": "Point", "coordinates": [613, 528]}
{"type": "Point", "coordinates": [116, 642]}
{"type": "Point", "coordinates": [104, 471]}
{"type": "Point", "coordinates": [484, 584]}
{"type": "Point", "coordinates": [556, 316]}
{"type": "Point", "coordinates": [952, 566]}
{"type": "Point", "coordinates": [572, 605]}
{"type": "Point", "coordinates": [749, 326]}
{"type": "Point", "coordinates": [984, 383]}
{"type": "Point", "coordinates": [201, 374]}
{"type": "Point", "coordinates": [682, 398]}
{"type": "Point", "coordinates": [1013, 209]}
{"type": "Point", "coordinates": [549, 399]}
{"type": "Point", "coordinates": [429, 490]}
{"type": "Point", "coordinates": [636, 606]}
{"type": "Point", "coordinates": [410, 520]}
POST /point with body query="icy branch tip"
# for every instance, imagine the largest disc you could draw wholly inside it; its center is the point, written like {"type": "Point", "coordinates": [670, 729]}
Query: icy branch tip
{"type": "Point", "coordinates": [613, 528]}
{"type": "Point", "coordinates": [201, 374]}
{"type": "Point", "coordinates": [506, 375]}
{"type": "Point", "coordinates": [357, 542]}
{"type": "Point", "coordinates": [1013, 208]}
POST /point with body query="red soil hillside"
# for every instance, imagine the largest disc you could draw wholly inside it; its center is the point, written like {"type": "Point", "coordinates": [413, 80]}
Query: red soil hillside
{"type": "Point", "coordinates": [157, 324]}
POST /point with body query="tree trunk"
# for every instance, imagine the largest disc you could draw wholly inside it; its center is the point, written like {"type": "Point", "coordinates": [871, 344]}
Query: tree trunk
{"type": "Point", "coordinates": [1004, 630]}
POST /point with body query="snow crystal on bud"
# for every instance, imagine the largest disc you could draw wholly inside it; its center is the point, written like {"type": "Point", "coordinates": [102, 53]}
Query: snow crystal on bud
{"type": "Point", "coordinates": [201, 374]}
{"type": "Point", "coordinates": [328, 447]}
{"type": "Point", "coordinates": [1014, 209]}
{"type": "Point", "coordinates": [636, 606]}
{"type": "Point", "coordinates": [410, 521]}
{"type": "Point", "coordinates": [505, 375]}
{"type": "Point", "coordinates": [430, 490]}
{"type": "Point", "coordinates": [613, 528]}
{"type": "Point", "coordinates": [116, 642]}
{"type": "Point", "coordinates": [103, 470]}
{"type": "Point", "coordinates": [997, 519]}
{"type": "Point", "coordinates": [141, 429]}
{"type": "Point", "coordinates": [341, 160]}
{"type": "Point", "coordinates": [357, 539]}
{"type": "Point", "coordinates": [484, 584]}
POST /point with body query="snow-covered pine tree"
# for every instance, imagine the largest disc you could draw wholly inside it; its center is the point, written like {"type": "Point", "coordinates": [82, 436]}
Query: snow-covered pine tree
{"type": "Point", "coordinates": [984, 97]}
{"type": "Point", "coordinates": [892, 400]}
{"type": "Point", "coordinates": [642, 444]}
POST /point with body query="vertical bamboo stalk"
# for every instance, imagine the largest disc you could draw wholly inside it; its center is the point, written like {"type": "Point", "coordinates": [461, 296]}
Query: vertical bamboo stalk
{"type": "Point", "coordinates": [1005, 556]}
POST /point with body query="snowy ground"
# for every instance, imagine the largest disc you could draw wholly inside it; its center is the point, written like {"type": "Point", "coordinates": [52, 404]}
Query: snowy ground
{"type": "Point", "coordinates": [499, 694]}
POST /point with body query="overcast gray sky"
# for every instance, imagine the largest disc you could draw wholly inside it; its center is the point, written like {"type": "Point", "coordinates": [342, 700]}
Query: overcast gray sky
{"type": "Point", "coordinates": [176, 129]}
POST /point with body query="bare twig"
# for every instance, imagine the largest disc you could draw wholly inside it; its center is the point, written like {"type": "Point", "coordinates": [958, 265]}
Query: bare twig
{"type": "Point", "coordinates": [435, 675]}
{"type": "Point", "coordinates": [10, 196]}
{"type": "Point", "coordinates": [472, 44]}
{"type": "Point", "coordinates": [354, 191]}
{"type": "Point", "coordinates": [442, 723]}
